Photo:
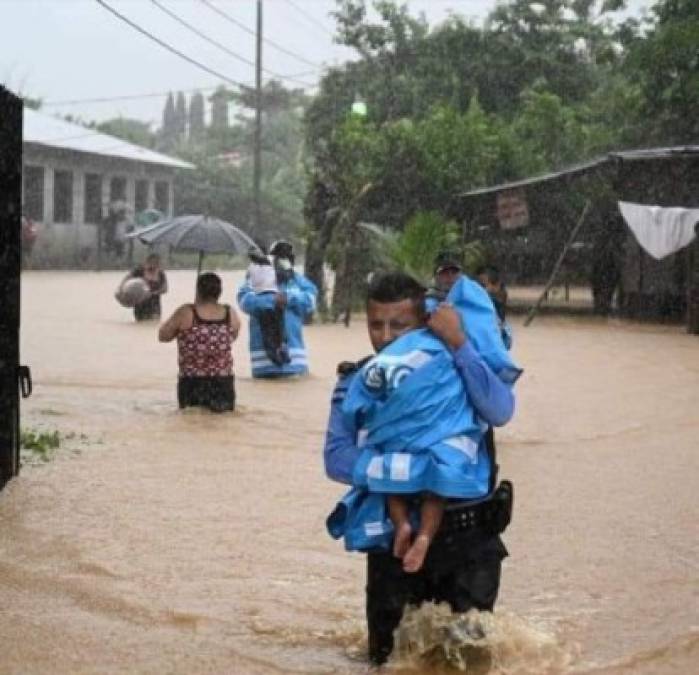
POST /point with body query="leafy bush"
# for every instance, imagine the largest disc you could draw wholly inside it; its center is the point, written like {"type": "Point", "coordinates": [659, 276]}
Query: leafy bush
{"type": "Point", "coordinates": [415, 248]}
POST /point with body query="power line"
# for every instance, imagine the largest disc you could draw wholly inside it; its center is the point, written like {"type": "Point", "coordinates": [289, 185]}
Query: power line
{"type": "Point", "coordinates": [196, 31]}
{"type": "Point", "coordinates": [127, 97]}
{"type": "Point", "coordinates": [311, 18]}
{"type": "Point", "coordinates": [222, 47]}
{"type": "Point", "coordinates": [131, 97]}
{"type": "Point", "coordinates": [165, 45]}
{"type": "Point", "coordinates": [242, 26]}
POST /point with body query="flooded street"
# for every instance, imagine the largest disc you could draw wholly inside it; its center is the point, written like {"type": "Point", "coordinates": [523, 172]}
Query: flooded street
{"type": "Point", "coordinates": [158, 541]}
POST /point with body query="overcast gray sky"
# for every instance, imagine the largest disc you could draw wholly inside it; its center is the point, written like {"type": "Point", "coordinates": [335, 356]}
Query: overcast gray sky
{"type": "Point", "coordinates": [63, 50]}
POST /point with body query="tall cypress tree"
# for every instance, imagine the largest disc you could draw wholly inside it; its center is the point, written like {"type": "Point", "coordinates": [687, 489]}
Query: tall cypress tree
{"type": "Point", "coordinates": [219, 109]}
{"type": "Point", "coordinates": [180, 116]}
{"type": "Point", "coordinates": [168, 132]}
{"type": "Point", "coordinates": [196, 117]}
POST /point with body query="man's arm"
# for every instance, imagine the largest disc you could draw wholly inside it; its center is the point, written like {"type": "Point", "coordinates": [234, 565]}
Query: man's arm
{"type": "Point", "coordinates": [340, 453]}
{"type": "Point", "coordinates": [251, 302]}
{"type": "Point", "coordinates": [302, 300]}
{"type": "Point", "coordinates": [492, 398]}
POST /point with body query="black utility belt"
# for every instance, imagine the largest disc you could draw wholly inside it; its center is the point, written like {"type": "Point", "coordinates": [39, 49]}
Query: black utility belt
{"type": "Point", "coordinates": [491, 514]}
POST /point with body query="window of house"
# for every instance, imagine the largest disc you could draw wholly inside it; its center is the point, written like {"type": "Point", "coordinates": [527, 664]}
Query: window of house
{"type": "Point", "coordinates": [33, 206]}
{"type": "Point", "coordinates": [162, 196]}
{"type": "Point", "coordinates": [93, 198]}
{"type": "Point", "coordinates": [141, 195]}
{"type": "Point", "coordinates": [63, 196]}
{"type": "Point", "coordinates": [117, 189]}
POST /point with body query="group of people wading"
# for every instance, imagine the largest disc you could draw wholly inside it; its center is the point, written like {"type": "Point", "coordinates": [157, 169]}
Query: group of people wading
{"type": "Point", "coordinates": [410, 429]}
{"type": "Point", "coordinates": [206, 329]}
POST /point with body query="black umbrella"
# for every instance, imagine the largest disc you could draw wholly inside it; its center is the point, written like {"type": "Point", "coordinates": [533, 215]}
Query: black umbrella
{"type": "Point", "coordinates": [197, 232]}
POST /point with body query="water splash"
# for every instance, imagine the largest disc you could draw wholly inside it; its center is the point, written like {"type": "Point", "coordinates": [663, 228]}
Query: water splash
{"type": "Point", "coordinates": [431, 636]}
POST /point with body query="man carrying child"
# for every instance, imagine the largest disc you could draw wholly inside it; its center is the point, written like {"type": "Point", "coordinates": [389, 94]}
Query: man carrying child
{"type": "Point", "coordinates": [277, 311]}
{"type": "Point", "coordinates": [441, 457]}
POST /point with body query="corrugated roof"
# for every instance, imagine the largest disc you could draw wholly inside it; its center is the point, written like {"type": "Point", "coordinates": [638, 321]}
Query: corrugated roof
{"type": "Point", "coordinates": [564, 173]}
{"type": "Point", "coordinates": [657, 153]}
{"type": "Point", "coordinates": [44, 129]}
{"type": "Point", "coordinates": [624, 155]}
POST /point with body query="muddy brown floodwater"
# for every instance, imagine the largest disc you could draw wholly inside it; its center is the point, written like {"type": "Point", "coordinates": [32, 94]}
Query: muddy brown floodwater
{"type": "Point", "coordinates": [165, 542]}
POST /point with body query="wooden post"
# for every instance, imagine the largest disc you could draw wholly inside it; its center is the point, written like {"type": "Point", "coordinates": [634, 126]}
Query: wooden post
{"type": "Point", "coordinates": [10, 246]}
{"type": "Point", "coordinates": [693, 288]}
{"type": "Point", "coordinates": [571, 238]}
{"type": "Point", "coordinates": [257, 149]}
{"type": "Point", "coordinates": [352, 216]}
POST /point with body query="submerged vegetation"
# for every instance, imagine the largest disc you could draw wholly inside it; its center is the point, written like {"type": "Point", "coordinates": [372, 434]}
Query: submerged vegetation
{"type": "Point", "coordinates": [39, 444]}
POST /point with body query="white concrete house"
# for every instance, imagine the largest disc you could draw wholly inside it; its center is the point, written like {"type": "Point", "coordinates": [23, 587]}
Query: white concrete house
{"type": "Point", "coordinates": [71, 174]}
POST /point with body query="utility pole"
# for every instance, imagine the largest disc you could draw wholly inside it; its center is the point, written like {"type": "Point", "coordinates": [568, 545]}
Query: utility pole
{"type": "Point", "coordinates": [258, 117]}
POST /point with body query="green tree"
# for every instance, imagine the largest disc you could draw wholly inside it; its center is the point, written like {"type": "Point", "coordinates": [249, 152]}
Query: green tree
{"type": "Point", "coordinates": [168, 130]}
{"type": "Point", "coordinates": [550, 134]}
{"type": "Point", "coordinates": [219, 108]}
{"type": "Point", "coordinates": [197, 126]}
{"type": "Point", "coordinates": [134, 131]}
{"type": "Point", "coordinates": [664, 61]}
{"type": "Point", "coordinates": [222, 184]}
{"type": "Point", "coordinates": [180, 115]}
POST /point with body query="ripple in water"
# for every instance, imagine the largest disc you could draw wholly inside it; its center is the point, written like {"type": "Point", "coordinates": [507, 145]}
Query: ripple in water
{"type": "Point", "coordinates": [431, 636]}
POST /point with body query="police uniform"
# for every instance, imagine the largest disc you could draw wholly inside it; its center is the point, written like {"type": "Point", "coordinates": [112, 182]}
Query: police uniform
{"type": "Point", "coordinates": [463, 563]}
{"type": "Point", "coordinates": [300, 304]}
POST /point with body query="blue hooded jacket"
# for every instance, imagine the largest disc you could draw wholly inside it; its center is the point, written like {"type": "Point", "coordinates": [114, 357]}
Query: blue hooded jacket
{"type": "Point", "coordinates": [419, 429]}
{"type": "Point", "coordinates": [301, 302]}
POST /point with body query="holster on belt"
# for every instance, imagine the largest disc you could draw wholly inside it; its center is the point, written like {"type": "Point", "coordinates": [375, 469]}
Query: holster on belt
{"type": "Point", "coordinates": [490, 515]}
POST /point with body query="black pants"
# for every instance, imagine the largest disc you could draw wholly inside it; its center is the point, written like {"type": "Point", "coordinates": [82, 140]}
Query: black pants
{"type": "Point", "coordinates": [148, 309]}
{"type": "Point", "coordinates": [273, 335]}
{"type": "Point", "coordinates": [215, 393]}
{"type": "Point", "coordinates": [463, 570]}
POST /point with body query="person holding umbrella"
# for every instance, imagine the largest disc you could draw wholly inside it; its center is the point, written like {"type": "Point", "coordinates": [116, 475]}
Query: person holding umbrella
{"type": "Point", "coordinates": [296, 297]}
{"type": "Point", "coordinates": [205, 332]}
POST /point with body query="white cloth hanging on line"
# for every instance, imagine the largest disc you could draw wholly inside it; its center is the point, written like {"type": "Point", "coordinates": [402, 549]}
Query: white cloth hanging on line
{"type": "Point", "coordinates": [660, 230]}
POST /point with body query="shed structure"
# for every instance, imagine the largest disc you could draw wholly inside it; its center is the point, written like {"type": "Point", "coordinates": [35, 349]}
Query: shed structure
{"type": "Point", "coordinates": [526, 224]}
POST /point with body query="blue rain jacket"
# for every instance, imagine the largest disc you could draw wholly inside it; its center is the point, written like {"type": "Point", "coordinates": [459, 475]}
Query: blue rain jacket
{"type": "Point", "coordinates": [419, 428]}
{"type": "Point", "coordinates": [301, 302]}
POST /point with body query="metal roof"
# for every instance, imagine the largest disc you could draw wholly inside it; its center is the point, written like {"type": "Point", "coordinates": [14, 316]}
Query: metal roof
{"type": "Point", "coordinates": [657, 153]}
{"type": "Point", "coordinates": [57, 133]}
{"type": "Point", "coordinates": [564, 173]}
{"type": "Point", "coordinates": [623, 155]}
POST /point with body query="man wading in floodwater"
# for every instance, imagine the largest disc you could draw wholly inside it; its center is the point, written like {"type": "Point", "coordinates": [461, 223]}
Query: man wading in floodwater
{"type": "Point", "coordinates": [295, 297]}
{"type": "Point", "coordinates": [463, 563]}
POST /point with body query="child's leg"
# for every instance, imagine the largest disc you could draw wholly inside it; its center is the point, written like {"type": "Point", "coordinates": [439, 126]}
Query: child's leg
{"type": "Point", "coordinates": [267, 319]}
{"type": "Point", "coordinates": [431, 513]}
{"type": "Point", "coordinates": [280, 336]}
{"type": "Point", "coordinates": [398, 512]}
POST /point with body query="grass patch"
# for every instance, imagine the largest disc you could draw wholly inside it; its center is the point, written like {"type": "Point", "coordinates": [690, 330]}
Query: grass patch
{"type": "Point", "coordinates": [39, 444]}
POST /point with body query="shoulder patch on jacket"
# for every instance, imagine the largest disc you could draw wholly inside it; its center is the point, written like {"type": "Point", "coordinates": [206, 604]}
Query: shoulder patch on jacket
{"type": "Point", "coordinates": [345, 368]}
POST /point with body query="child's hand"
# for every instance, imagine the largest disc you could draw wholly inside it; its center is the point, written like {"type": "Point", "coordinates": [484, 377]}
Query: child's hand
{"type": "Point", "coordinates": [445, 323]}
